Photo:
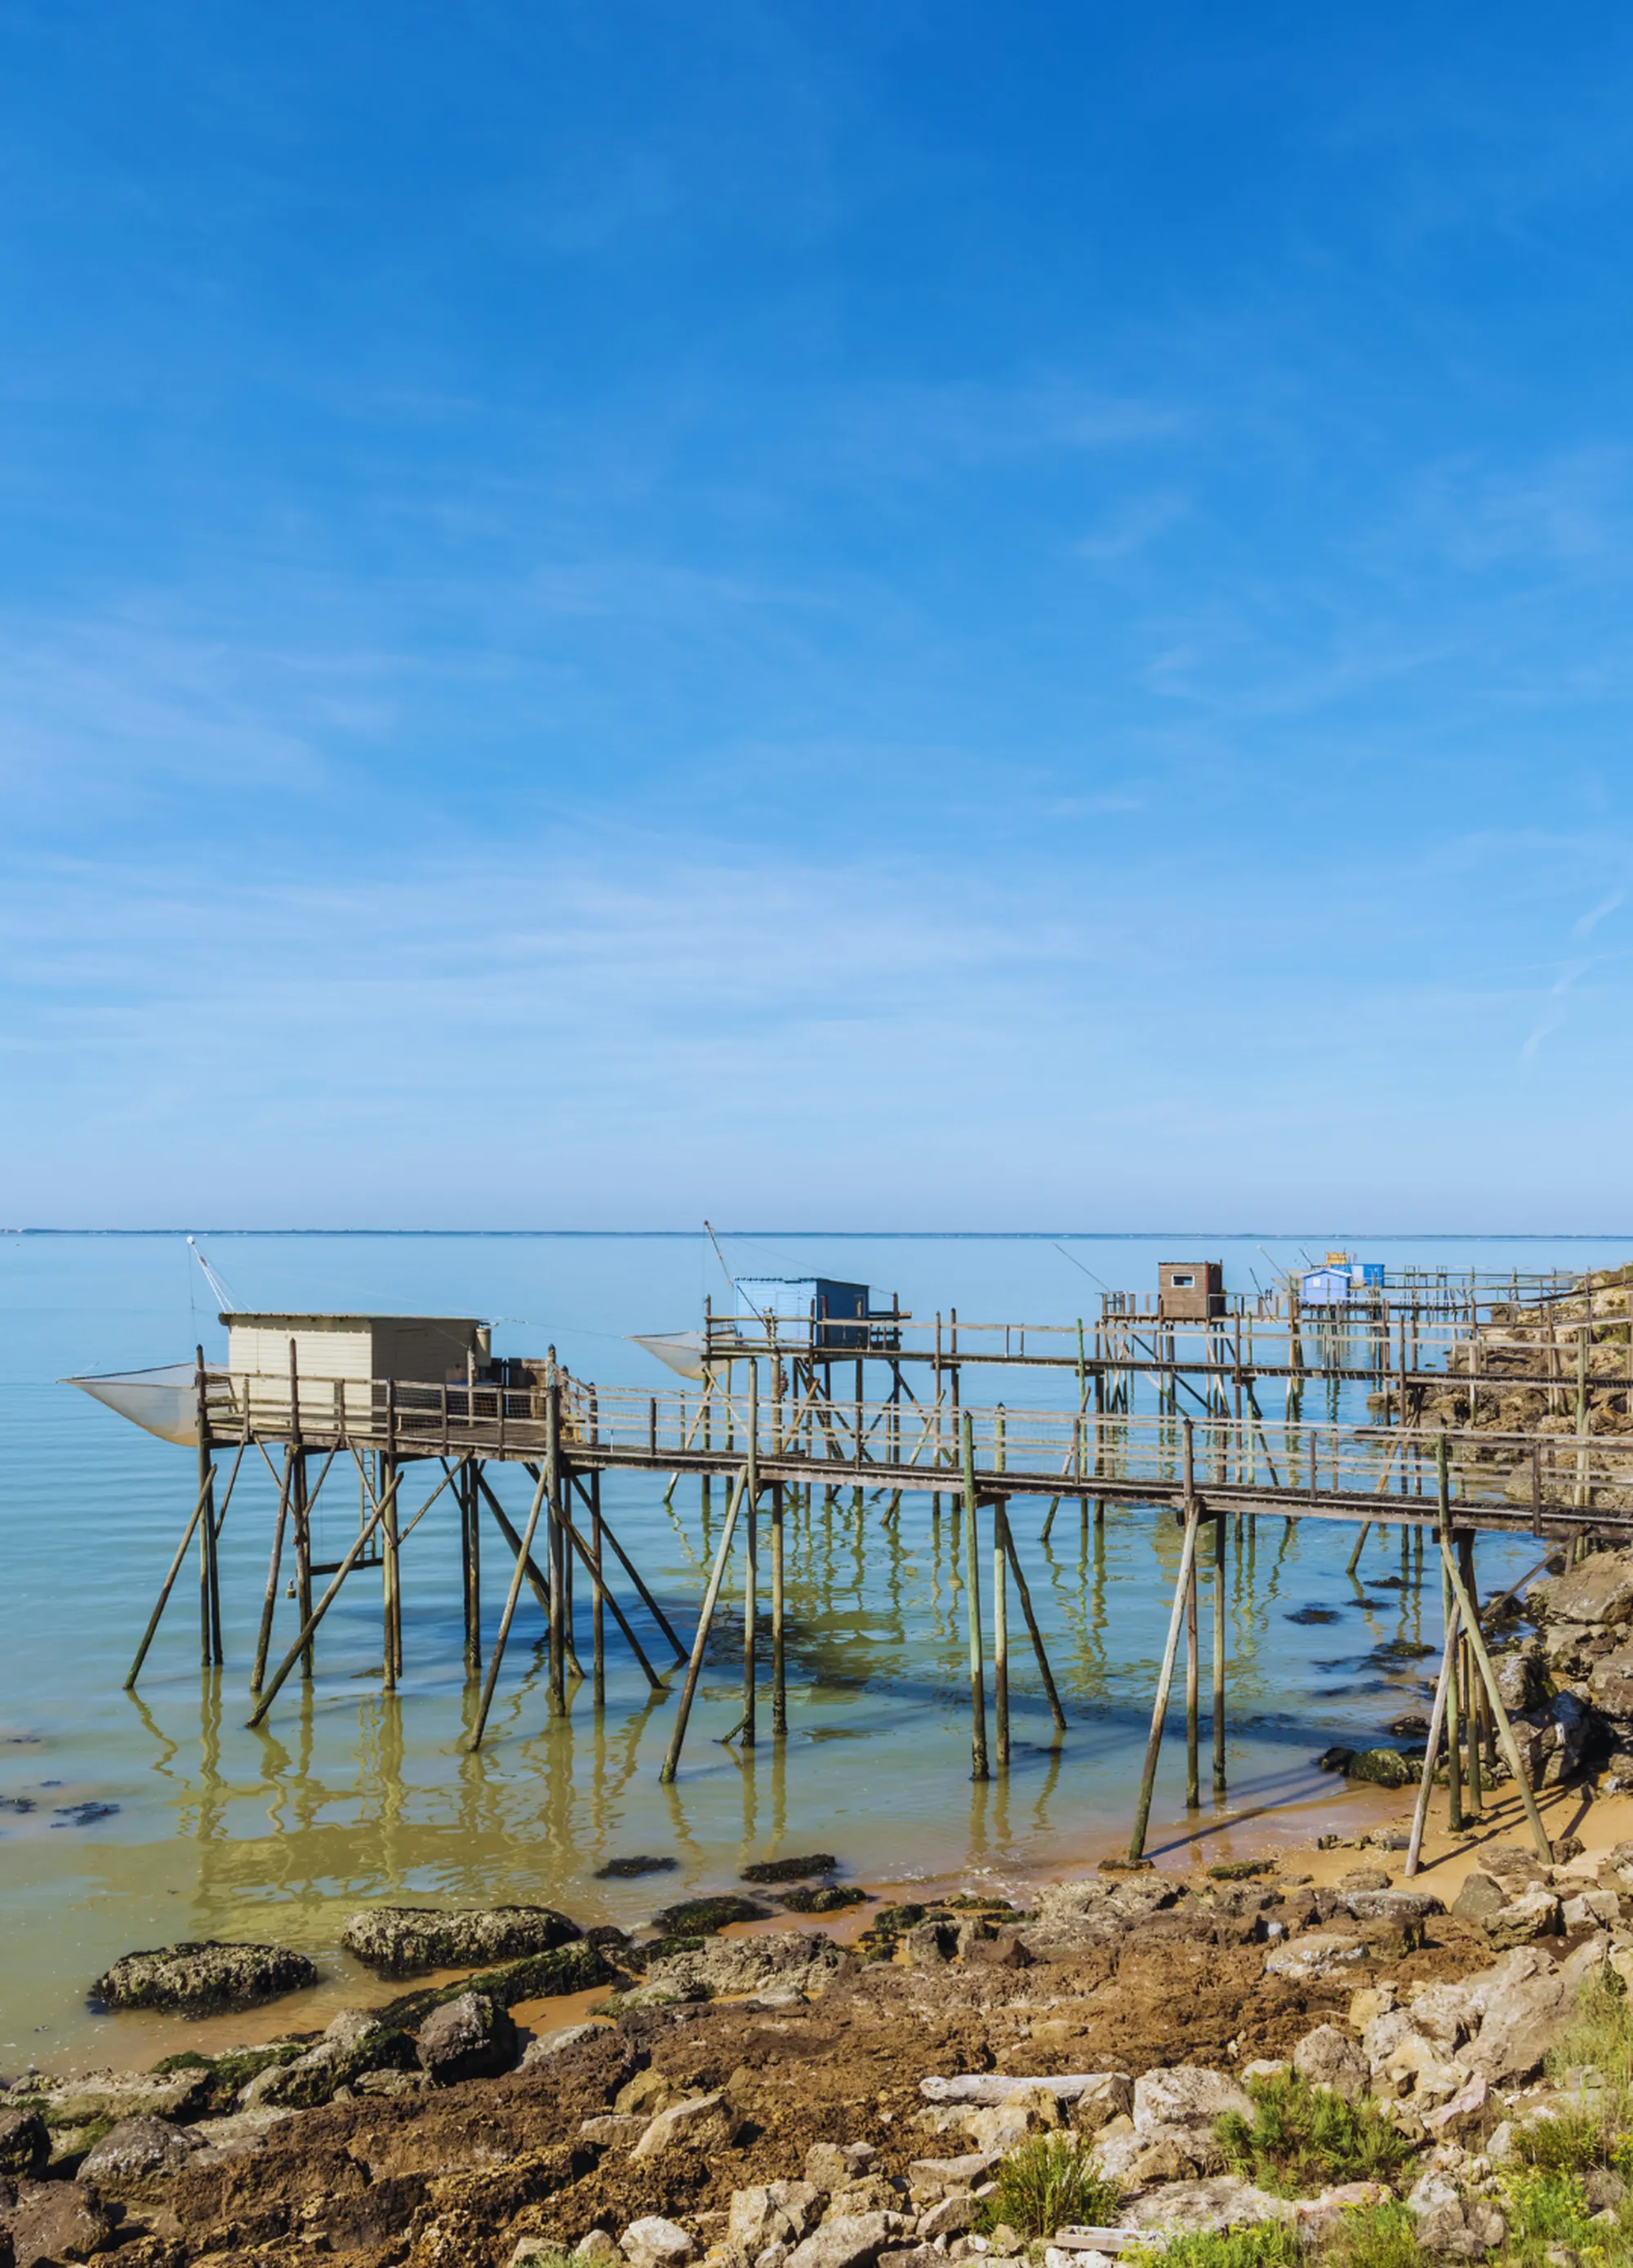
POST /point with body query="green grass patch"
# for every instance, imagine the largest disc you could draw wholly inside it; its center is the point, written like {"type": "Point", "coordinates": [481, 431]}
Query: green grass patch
{"type": "Point", "coordinates": [1302, 2139]}
{"type": "Point", "coordinates": [1049, 2183]}
{"type": "Point", "coordinates": [1379, 2236]}
{"type": "Point", "coordinates": [1267, 2244]}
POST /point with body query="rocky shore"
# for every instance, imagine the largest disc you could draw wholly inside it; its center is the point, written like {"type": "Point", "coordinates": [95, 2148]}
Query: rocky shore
{"type": "Point", "coordinates": [961, 2080]}
{"type": "Point", "coordinates": [775, 2101]}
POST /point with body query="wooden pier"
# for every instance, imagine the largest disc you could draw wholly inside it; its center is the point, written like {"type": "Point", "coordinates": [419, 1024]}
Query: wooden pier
{"type": "Point", "coordinates": [772, 1437]}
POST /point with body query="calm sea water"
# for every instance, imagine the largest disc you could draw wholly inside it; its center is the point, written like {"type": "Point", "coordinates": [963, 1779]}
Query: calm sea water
{"type": "Point", "coordinates": [346, 1796]}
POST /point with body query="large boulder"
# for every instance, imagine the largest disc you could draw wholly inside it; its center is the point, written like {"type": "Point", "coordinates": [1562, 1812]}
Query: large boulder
{"type": "Point", "coordinates": [1525, 2001]}
{"type": "Point", "coordinates": [1072, 1918]}
{"type": "Point", "coordinates": [397, 1941]}
{"type": "Point", "coordinates": [57, 2220]}
{"type": "Point", "coordinates": [195, 1976]}
{"type": "Point", "coordinates": [25, 2144]}
{"type": "Point", "coordinates": [1205, 2207]}
{"type": "Point", "coordinates": [1481, 1897]}
{"type": "Point", "coordinates": [1610, 1682]}
{"type": "Point", "coordinates": [99, 2096]}
{"type": "Point", "coordinates": [1554, 1739]}
{"type": "Point", "coordinates": [133, 2151]}
{"type": "Point", "coordinates": [1598, 1589]}
{"type": "Point", "coordinates": [1330, 2057]}
{"type": "Point", "coordinates": [355, 2044]}
{"type": "Point", "coordinates": [772, 2212]}
{"type": "Point", "coordinates": [1185, 2094]}
{"type": "Point", "coordinates": [1318, 1955]}
{"type": "Point", "coordinates": [850, 2240]}
{"type": "Point", "coordinates": [471, 2037]}
{"type": "Point", "coordinates": [787, 1966]}
{"type": "Point", "coordinates": [654, 2243]}
{"type": "Point", "coordinates": [704, 2121]}
{"type": "Point", "coordinates": [1384, 1767]}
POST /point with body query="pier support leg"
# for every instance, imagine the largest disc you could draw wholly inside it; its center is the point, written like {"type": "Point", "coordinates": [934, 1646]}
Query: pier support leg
{"type": "Point", "coordinates": [390, 1573]}
{"type": "Point", "coordinates": [1000, 1632]}
{"type": "Point", "coordinates": [779, 1682]}
{"type": "Point", "coordinates": [501, 1635]}
{"type": "Point", "coordinates": [751, 1615]}
{"type": "Point", "coordinates": [598, 1612]}
{"type": "Point", "coordinates": [1218, 1657]}
{"type": "Point", "coordinates": [979, 1769]}
{"type": "Point", "coordinates": [263, 1642]}
{"type": "Point", "coordinates": [694, 1665]}
{"type": "Point", "coordinates": [556, 1554]}
{"type": "Point", "coordinates": [1505, 1731]}
{"type": "Point", "coordinates": [470, 1503]}
{"type": "Point", "coordinates": [1477, 1713]}
{"type": "Point", "coordinates": [302, 1515]}
{"type": "Point", "coordinates": [1193, 1682]}
{"type": "Point", "coordinates": [1164, 1682]}
{"type": "Point", "coordinates": [1035, 1634]}
{"type": "Point", "coordinates": [163, 1596]}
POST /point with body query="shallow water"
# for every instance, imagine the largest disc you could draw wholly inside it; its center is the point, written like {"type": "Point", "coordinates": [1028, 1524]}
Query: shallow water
{"type": "Point", "coordinates": [348, 1796]}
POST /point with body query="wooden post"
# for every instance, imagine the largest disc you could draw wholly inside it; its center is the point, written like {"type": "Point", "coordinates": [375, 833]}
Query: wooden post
{"type": "Point", "coordinates": [1000, 1631]}
{"type": "Point", "coordinates": [977, 1677]}
{"type": "Point", "coordinates": [1505, 1731]}
{"type": "Point", "coordinates": [597, 1611]}
{"type": "Point", "coordinates": [163, 1596]}
{"type": "Point", "coordinates": [1426, 1779]}
{"type": "Point", "coordinates": [1024, 1596]}
{"type": "Point", "coordinates": [388, 1541]}
{"type": "Point", "coordinates": [555, 1556]}
{"type": "Point", "coordinates": [1454, 1757]}
{"type": "Point", "coordinates": [1164, 1682]}
{"type": "Point", "coordinates": [268, 1603]}
{"type": "Point", "coordinates": [751, 1559]}
{"type": "Point", "coordinates": [694, 1667]}
{"type": "Point", "coordinates": [209, 1582]}
{"type": "Point", "coordinates": [1218, 1655]}
{"type": "Point", "coordinates": [501, 1635]}
{"type": "Point", "coordinates": [471, 1516]}
{"type": "Point", "coordinates": [779, 1684]}
{"type": "Point", "coordinates": [1193, 1790]}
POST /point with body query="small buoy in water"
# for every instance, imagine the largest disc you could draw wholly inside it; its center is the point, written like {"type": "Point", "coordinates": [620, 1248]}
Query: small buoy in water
{"type": "Point", "coordinates": [290, 1592]}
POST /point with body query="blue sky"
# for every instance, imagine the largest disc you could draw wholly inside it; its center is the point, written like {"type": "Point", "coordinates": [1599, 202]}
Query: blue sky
{"type": "Point", "coordinates": [896, 617]}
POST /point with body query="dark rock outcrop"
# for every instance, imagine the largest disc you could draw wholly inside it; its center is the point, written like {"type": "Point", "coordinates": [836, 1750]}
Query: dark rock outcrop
{"type": "Point", "coordinates": [205, 1975]}
{"type": "Point", "coordinates": [397, 1941]}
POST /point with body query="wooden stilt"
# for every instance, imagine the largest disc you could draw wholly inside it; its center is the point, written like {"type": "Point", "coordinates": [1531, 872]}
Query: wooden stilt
{"type": "Point", "coordinates": [501, 1635]}
{"type": "Point", "coordinates": [1437, 1718]}
{"type": "Point", "coordinates": [1193, 1784]}
{"type": "Point", "coordinates": [389, 1565]}
{"type": "Point", "coordinates": [605, 1596]}
{"type": "Point", "coordinates": [979, 1769]}
{"type": "Point", "coordinates": [555, 1554]}
{"type": "Point", "coordinates": [1453, 1730]}
{"type": "Point", "coordinates": [1165, 1681]}
{"type": "Point", "coordinates": [1000, 1631]}
{"type": "Point", "coordinates": [300, 1513]}
{"type": "Point", "coordinates": [751, 1562]}
{"type": "Point", "coordinates": [1504, 1729]}
{"type": "Point", "coordinates": [209, 1578]}
{"type": "Point", "coordinates": [536, 1582]}
{"type": "Point", "coordinates": [779, 1682]}
{"type": "Point", "coordinates": [597, 1611]}
{"type": "Point", "coordinates": [165, 1590]}
{"type": "Point", "coordinates": [1218, 1655]}
{"type": "Point", "coordinates": [268, 1603]}
{"type": "Point", "coordinates": [1035, 1634]}
{"type": "Point", "coordinates": [471, 1507]}
{"type": "Point", "coordinates": [694, 1667]}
